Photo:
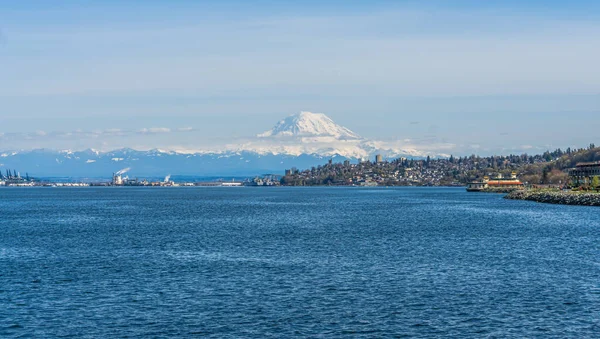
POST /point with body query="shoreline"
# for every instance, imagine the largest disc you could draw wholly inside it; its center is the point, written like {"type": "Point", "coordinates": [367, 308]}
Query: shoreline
{"type": "Point", "coordinates": [556, 197]}
{"type": "Point", "coordinates": [217, 186]}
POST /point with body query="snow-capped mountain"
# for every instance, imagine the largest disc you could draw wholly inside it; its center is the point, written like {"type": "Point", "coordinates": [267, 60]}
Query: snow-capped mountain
{"type": "Point", "coordinates": [308, 124]}
{"type": "Point", "coordinates": [305, 133]}
{"type": "Point", "coordinates": [302, 140]}
{"type": "Point", "coordinates": [316, 133]}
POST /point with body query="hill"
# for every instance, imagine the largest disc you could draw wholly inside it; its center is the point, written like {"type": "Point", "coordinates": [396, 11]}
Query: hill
{"type": "Point", "coordinates": [546, 168]}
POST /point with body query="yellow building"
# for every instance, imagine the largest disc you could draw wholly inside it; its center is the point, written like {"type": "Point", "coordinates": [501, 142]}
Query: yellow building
{"type": "Point", "coordinates": [497, 184]}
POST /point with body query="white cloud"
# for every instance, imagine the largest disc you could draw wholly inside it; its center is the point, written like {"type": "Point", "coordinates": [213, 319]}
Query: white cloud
{"type": "Point", "coordinates": [154, 130]}
{"type": "Point", "coordinates": [185, 129]}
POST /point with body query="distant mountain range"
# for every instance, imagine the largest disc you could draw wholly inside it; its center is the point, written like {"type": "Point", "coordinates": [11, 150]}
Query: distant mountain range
{"type": "Point", "coordinates": [90, 163]}
{"type": "Point", "coordinates": [302, 140]}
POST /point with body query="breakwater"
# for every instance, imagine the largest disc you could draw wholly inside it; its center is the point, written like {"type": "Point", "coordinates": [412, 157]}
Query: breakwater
{"type": "Point", "coordinates": [557, 197]}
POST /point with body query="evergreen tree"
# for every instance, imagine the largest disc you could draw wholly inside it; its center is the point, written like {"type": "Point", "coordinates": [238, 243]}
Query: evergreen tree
{"type": "Point", "coordinates": [545, 172]}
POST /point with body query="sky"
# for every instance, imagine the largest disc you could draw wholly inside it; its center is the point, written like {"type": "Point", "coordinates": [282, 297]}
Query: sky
{"type": "Point", "coordinates": [485, 77]}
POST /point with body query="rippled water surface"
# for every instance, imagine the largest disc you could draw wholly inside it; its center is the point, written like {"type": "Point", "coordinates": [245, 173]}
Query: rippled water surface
{"type": "Point", "coordinates": [284, 262]}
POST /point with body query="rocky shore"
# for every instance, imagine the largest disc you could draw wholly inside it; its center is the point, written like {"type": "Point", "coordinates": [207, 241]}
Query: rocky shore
{"type": "Point", "coordinates": [557, 197]}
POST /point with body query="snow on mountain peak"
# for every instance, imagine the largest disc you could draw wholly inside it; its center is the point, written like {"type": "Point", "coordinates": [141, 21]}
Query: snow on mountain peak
{"type": "Point", "coordinates": [309, 124]}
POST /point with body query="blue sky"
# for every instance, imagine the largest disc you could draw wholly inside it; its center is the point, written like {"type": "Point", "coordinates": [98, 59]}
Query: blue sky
{"type": "Point", "coordinates": [483, 76]}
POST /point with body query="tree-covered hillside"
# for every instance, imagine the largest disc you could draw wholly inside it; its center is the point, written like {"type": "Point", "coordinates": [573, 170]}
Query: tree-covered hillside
{"type": "Point", "coordinates": [547, 168]}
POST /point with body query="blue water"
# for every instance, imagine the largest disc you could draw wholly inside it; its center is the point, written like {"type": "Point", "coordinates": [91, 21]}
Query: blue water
{"type": "Point", "coordinates": [287, 262]}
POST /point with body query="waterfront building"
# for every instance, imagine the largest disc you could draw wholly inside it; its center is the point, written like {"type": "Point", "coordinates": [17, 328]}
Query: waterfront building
{"type": "Point", "coordinates": [232, 184]}
{"type": "Point", "coordinates": [367, 182]}
{"type": "Point", "coordinates": [498, 183]}
{"type": "Point", "coordinates": [584, 172]}
{"type": "Point", "coordinates": [476, 186]}
{"type": "Point", "coordinates": [505, 183]}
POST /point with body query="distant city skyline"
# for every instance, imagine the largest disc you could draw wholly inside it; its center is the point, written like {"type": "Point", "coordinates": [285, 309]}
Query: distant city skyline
{"type": "Point", "coordinates": [492, 77]}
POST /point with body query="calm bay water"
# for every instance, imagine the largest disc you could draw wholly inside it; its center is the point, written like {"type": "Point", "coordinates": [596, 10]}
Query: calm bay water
{"type": "Point", "coordinates": [283, 262]}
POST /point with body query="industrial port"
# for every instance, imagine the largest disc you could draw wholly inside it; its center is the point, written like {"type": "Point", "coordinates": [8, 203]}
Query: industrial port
{"type": "Point", "coordinates": [13, 178]}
